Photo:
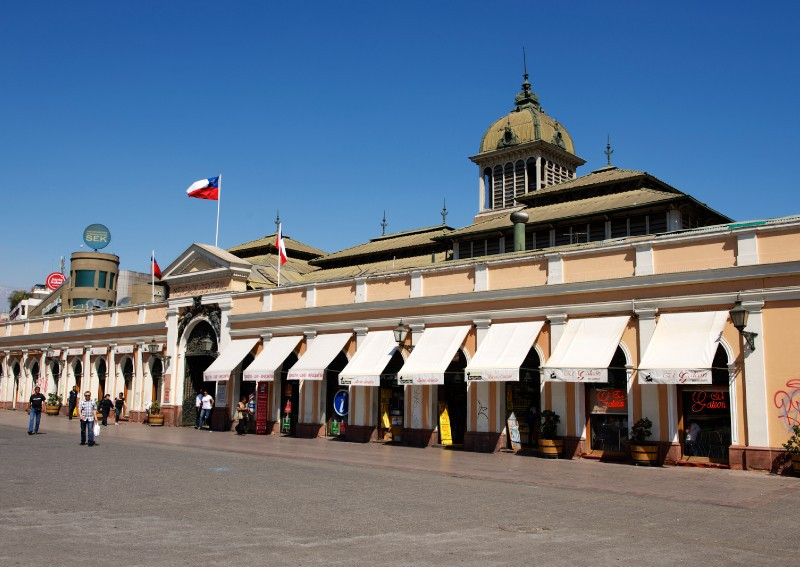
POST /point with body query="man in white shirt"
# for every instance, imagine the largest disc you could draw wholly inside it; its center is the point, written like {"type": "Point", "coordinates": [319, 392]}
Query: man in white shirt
{"type": "Point", "coordinates": [86, 410]}
{"type": "Point", "coordinates": [206, 403]}
{"type": "Point", "coordinates": [198, 407]}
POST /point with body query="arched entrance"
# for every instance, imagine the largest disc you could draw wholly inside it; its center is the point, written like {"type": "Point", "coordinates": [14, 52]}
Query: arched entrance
{"type": "Point", "coordinates": [77, 374]}
{"type": "Point", "coordinates": [55, 373]}
{"type": "Point", "coordinates": [452, 396]}
{"type": "Point", "coordinates": [16, 370]}
{"type": "Point", "coordinates": [607, 409]}
{"type": "Point", "coordinates": [289, 396]}
{"type": "Point", "coordinates": [157, 375]}
{"type": "Point", "coordinates": [102, 370]}
{"type": "Point", "coordinates": [705, 414]}
{"type": "Point", "coordinates": [198, 357]}
{"type": "Point", "coordinates": [524, 399]}
{"type": "Point", "coordinates": [34, 372]}
{"type": "Point", "coordinates": [127, 378]}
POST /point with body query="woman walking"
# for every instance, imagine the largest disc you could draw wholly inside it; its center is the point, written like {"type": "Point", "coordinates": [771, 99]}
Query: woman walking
{"type": "Point", "coordinates": [119, 406]}
{"type": "Point", "coordinates": [105, 408]}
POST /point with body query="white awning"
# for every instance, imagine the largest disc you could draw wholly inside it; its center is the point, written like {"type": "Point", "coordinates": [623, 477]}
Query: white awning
{"type": "Point", "coordinates": [321, 352]}
{"type": "Point", "coordinates": [585, 350]}
{"type": "Point", "coordinates": [222, 368]}
{"type": "Point", "coordinates": [682, 348]}
{"type": "Point", "coordinates": [271, 358]}
{"type": "Point", "coordinates": [502, 352]}
{"type": "Point", "coordinates": [432, 355]}
{"type": "Point", "coordinates": [370, 360]}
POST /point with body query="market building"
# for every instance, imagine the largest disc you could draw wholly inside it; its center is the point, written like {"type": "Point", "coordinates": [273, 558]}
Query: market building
{"type": "Point", "coordinates": [605, 298]}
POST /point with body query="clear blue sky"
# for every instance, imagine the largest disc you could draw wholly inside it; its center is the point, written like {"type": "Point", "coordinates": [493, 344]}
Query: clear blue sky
{"type": "Point", "coordinates": [332, 112]}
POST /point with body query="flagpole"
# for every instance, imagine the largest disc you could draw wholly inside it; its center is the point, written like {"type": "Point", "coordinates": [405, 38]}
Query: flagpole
{"type": "Point", "coordinates": [280, 235]}
{"type": "Point", "coordinates": [153, 276]}
{"type": "Point", "coordinates": [219, 198]}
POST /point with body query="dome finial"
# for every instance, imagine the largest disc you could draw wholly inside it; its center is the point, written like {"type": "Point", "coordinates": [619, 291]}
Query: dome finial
{"type": "Point", "coordinates": [608, 151]}
{"type": "Point", "coordinates": [384, 224]}
{"type": "Point", "coordinates": [527, 96]}
{"type": "Point", "coordinates": [444, 212]}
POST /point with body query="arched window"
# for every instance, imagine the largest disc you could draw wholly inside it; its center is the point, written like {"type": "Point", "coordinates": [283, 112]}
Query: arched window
{"type": "Point", "coordinates": [497, 187]}
{"type": "Point", "coordinates": [531, 168]}
{"type": "Point", "coordinates": [77, 371]}
{"type": "Point", "coordinates": [55, 370]}
{"type": "Point", "coordinates": [519, 178]}
{"type": "Point", "coordinates": [508, 185]}
{"type": "Point", "coordinates": [487, 188]}
{"type": "Point", "coordinates": [157, 373]}
{"type": "Point", "coordinates": [34, 374]}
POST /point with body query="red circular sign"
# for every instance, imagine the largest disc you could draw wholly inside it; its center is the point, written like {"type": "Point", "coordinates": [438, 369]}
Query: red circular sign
{"type": "Point", "coordinates": [55, 280]}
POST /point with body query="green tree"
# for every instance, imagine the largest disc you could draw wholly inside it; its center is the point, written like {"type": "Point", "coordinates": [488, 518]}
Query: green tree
{"type": "Point", "coordinates": [15, 297]}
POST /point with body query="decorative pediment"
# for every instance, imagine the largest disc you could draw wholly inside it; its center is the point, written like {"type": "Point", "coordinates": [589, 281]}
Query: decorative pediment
{"type": "Point", "coordinates": [203, 268]}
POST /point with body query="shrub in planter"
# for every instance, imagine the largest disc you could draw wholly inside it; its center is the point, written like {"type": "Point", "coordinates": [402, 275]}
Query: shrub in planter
{"type": "Point", "coordinates": [53, 404]}
{"type": "Point", "coordinates": [550, 445]}
{"type": "Point", "coordinates": [792, 447]}
{"type": "Point", "coordinates": [642, 450]}
{"type": "Point", "coordinates": [156, 417]}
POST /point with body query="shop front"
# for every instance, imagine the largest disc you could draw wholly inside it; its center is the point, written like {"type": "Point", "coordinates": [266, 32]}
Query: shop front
{"type": "Point", "coordinates": [221, 371]}
{"type": "Point", "coordinates": [686, 352]}
{"type": "Point", "coordinates": [436, 389]}
{"type": "Point", "coordinates": [589, 355]}
{"type": "Point", "coordinates": [317, 373]}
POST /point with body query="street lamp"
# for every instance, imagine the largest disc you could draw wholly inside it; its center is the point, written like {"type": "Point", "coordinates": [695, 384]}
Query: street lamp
{"type": "Point", "coordinates": [739, 317]}
{"type": "Point", "coordinates": [400, 334]}
{"type": "Point", "coordinates": [47, 351]}
{"type": "Point", "coordinates": [206, 343]}
{"type": "Point", "coordinates": [153, 347]}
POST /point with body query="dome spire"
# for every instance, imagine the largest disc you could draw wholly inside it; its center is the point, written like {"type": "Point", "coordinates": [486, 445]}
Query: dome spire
{"type": "Point", "coordinates": [527, 97]}
{"type": "Point", "coordinates": [608, 151]}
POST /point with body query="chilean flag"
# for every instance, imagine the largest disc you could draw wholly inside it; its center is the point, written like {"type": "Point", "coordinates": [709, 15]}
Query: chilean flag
{"type": "Point", "coordinates": [205, 189]}
{"type": "Point", "coordinates": [280, 245]}
{"type": "Point", "coordinates": [156, 269]}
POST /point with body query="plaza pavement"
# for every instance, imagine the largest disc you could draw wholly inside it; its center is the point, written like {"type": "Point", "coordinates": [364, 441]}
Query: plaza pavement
{"type": "Point", "coordinates": [152, 496]}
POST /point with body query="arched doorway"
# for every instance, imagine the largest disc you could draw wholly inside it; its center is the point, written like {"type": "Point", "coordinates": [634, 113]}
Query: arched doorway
{"type": "Point", "coordinates": [157, 376]}
{"type": "Point", "coordinates": [34, 371]}
{"type": "Point", "coordinates": [524, 399]}
{"type": "Point", "coordinates": [452, 396]}
{"type": "Point", "coordinates": [55, 372]}
{"type": "Point", "coordinates": [289, 397]}
{"type": "Point", "coordinates": [127, 380]}
{"type": "Point", "coordinates": [705, 414]}
{"type": "Point", "coordinates": [198, 358]}
{"type": "Point", "coordinates": [102, 370]}
{"type": "Point", "coordinates": [77, 373]}
{"type": "Point", "coordinates": [16, 370]}
{"type": "Point", "coordinates": [391, 401]}
{"type": "Point", "coordinates": [607, 409]}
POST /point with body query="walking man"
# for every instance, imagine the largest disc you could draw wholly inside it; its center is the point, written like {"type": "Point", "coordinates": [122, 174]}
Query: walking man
{"type": "Point", "coordinates": [37, 399]}
{"type": "Point", "coordinates": [205, 413]}
{"type": "Point", "coordinates": [86, 411]}
{"type": "Point", "coordinates": [73, 400]}
{"type": "Point", "coordinates": [105, 408]}
{"type": "Point", "coordinates": [198, 407]}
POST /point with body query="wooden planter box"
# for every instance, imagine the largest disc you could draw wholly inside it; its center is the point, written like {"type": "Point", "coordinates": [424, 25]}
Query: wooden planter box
{"type": "Point", "coordinates": [52, 410]}
{"type": "Point", "coordinates": [796, 462]}
{"type": "Point", "coordinates": [551, 448]}
{"type": "Point", "coordinates": [156, 420]}
{"type": "Point", "coordinates": [644, 454]}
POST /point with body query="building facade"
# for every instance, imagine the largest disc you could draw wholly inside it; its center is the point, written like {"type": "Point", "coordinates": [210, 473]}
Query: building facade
{"type": "Point", "coordinates": [603, 298]}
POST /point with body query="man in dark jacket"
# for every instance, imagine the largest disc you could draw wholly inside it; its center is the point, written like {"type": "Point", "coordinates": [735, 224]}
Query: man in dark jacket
{"type": "Point", "coordinates": [37, 403]}
{"type": "Point", "coordinates": [72, 400]}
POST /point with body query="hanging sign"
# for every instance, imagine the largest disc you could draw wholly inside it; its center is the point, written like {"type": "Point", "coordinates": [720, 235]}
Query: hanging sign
{"type": "Point", "coordinates": [96, 236]}
{"type": "Point", "coordinates": [444, 425]}
{"type": "Point", "coordinates": [341, 402]}
{"type": "Point", "coordinates": [262, 403]}
{"type": "Point", "coordinates": [513, 432]}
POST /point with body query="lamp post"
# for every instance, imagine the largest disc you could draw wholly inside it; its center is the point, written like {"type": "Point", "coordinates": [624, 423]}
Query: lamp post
{"type": "Point", "coordinates": [739, 317]}
{"type": "Point", "coordinates": [400, 334]}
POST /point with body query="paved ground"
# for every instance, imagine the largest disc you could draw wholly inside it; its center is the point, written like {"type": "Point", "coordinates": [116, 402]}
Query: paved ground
{"type": "Point", "coordinates": [168, 496]}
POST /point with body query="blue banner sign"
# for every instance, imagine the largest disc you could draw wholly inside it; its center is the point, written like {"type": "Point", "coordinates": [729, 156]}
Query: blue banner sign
{"type": "Point", "coordinates": [96, 236]}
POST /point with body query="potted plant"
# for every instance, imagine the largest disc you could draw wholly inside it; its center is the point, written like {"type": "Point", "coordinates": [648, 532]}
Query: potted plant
{"type": "Point", "coordinates": [550, 445]}
{"type": "Point", "coordinates": [156, 418]}
{"type": "Point", "coordinates": [643, 451]}
{"type": "Point", "coordinates": [792, 447]}
{"type": "Point", "coordinates": [53, 404]}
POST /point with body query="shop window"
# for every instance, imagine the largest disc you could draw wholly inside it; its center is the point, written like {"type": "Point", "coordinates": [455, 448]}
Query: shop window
{"type": "Point", "coordinates": [101, 279]}
{"type": "Point", "coordinates": [524, 399]}
{"type": "Point", "coordinates": [707, 414]}
{"type": "Point", "coordinates": [608, 408]}
{"type": "Point", "coordinates": [84, 278]}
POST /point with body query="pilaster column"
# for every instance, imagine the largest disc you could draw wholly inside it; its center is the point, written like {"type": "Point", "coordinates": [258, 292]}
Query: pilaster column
{"type": "Point", "coordinates": [649, 392]}
{"type": "Point", "coordinates": [309, 389]}
{"type": "Point", "coordinates": [755, 379]}
{"type": "Point", "coordinates": [558, 390]}
{"type": "Point", "coordinates": [482, 391]}
{"type": "Point", "coordinates": [87, 381]}
{"type": "Point", "coordinates": [173, 382]}
{"type": "Point", "coordinates": [111, 379]}
{"type": "Point", "coordinates": [24, 377]}
{"type": "Point", "coordinates": [141, 397]}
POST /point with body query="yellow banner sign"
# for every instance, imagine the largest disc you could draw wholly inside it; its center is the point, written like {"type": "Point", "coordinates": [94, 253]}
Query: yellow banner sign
{"type": "Point", "coordinates": [444, 425]}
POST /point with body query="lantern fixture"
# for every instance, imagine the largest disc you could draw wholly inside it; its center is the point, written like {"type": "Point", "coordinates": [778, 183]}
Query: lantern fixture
{"type": "Point", "coordinates": [400, 334]}
{"type": "Point", "coordinates": [153, 347]}
{"type": "Point", "coordinates": [206, 343]}
{"type": "Point", "coordinates": [739, 317]}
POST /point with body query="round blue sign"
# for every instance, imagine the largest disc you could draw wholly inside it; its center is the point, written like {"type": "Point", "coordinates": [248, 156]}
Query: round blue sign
{"type": "Point", "coordinates": [341, 402]}
{"type": "Point", "coordinates": [96, 236]}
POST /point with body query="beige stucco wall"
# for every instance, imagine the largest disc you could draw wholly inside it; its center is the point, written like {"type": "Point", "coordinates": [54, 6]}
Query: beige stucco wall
{"type": "Point", "coordinates": [684, 256]}
{"type": "Point", "coordinates": [155, 314]}
{"type": "Point", "coordinates": [35, 326]}
{"type": "Point", "coordinates": [56, 325]}
{"type": "Point", "coordinates": [782, 368]}
{"type": "Point", "coordinates": [524, 274]}
{"type": "Point", "coordinates": [77, 322]}
{"type": "Point", "coordinates": [336, 295]}
{"type": "Point", "coordinates": [388, 288]}
{"type": "Point", "coordinates": [127, 317]}
{"type": "Point", "coordinates": [292, 299]}
{"type": "Point", "coordinates": [602, 266]}
{"type": "Point", "coordinates": [247, 304]}
{"type": "Point", "coordinates": [778, 246]}
{"type": "Point", "coordinates": [101, 320]}
{"type": "Point", "coordinates": [445, 283]}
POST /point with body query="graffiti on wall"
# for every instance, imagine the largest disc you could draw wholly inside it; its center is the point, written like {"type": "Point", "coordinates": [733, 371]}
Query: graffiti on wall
{"type": "Point", "coordinates": [483, 412]}
{"type": "Point", "coordinates": [787, 402]}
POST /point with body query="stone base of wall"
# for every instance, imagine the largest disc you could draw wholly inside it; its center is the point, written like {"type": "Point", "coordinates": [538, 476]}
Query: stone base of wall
{"type": "Point", "coordinates": [759, 459]}
{"type": "Point", "coordinates": [361, 433]}
{"type": "Point", "coordinates": [309, 430]}
{"type": "Point", "coordinates": [574, 447]}
{"type": "Point", "coordinates": [273, 428]}
{"type": "Point", "coordinates": [7, 405]}
{"type": "Point", "coordinates": [488, 442]}
{"type": "Point", "coordinates": [419, 437]}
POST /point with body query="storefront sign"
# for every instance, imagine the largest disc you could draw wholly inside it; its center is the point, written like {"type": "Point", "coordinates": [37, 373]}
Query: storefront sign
{"type": "Point", "coordinates": [55, 280]}
{"type": "Point", "coordinates": [703, 402]}
{"type": "Point", "coordinates": [96, 236]}
{"type": "Point", "coordinates": [341, 402]}
{"type": "Point", "coordinates": [576, 374]}
{"type": "Point", "coordinates": [444, 425]}
{"type": "Point", "coordinates": [674, 376]}
{"type": "Point", "coordinates": [608, 400]}
{"type": "Point", "coordinates": [124, 349]}
{"type": "Point", "coordinates": [74, 351]}
{"type": "Point", "coordinates": [513, 432]}
{"type": "Point", "coordinates": [494, 375]}
{"type": "Point", "coordinates": [262, 403]}
{"type": "Point", "coordinates": [98, 350]}
{"type": "Point", "coordinates": [221, 399]}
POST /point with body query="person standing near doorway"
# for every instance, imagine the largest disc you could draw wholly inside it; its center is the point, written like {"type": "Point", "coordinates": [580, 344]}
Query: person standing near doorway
{"type": "Point", "coordinates": [198, 408]}
{"type": "Point", "coordinates": [205, 413]}
{"type": "Point", "coordinates": [36, 400]}
{"type": "Point", "coordinates": [105, 408]}
{"type": "Point", "coordinates": [119, 406]}
{"type": "Point", "coordinates": [86, 410]}
{"type": "Point", "coordinates": [72, 400]}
